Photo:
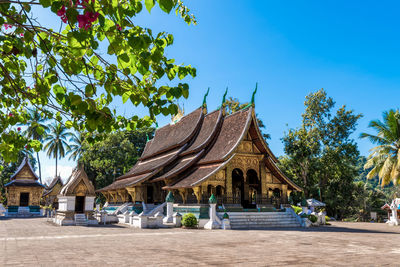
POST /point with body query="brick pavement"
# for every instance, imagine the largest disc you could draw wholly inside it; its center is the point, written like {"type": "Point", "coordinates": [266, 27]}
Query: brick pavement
{"type": "Point", "coordinates": [35, 242]}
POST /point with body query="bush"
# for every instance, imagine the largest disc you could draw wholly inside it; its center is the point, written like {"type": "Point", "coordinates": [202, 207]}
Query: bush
{"type": "Point", "coordinates": [313, 218]}
{"type": "Point", "coordinates": [296, 209]}
{"type": "Point", "coordinates": [189, 220]}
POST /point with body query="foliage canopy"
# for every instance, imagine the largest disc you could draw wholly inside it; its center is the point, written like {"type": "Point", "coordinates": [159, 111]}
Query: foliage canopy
{"type": "Point", "coordinates": [320, 156]}
{"type": "Point", "coordinates": [73, 74]}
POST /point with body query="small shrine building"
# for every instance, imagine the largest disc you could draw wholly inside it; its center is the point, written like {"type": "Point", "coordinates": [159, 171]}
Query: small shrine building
{"type": "Point", "coordinates": [202, 154]}
{"type": "Point", "coordinates": [24, 191]}
{"type": "Point", "coordinates": [52, 191]}
{"type": "Point", "coordinates": [76, 200]}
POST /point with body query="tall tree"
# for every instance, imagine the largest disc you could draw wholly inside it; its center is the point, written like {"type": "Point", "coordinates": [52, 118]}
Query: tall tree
{"type": "Point", "coordinates": [75, 146]}
{"type": "Point", "coordinates": [320, 154]}
{"type": "Point", "coordinates": [73, 74]}
{"type": "Point", "coordinates": [36, 130]}
{"type": "Point", "coordinates": [385, 157]}
{"type": "Point", "coordinates": [57, 142]}
{"type": "Point", "coordinates": [114, 155]}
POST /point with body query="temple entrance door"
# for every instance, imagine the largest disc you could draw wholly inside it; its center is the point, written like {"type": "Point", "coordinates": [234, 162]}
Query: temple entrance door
{"type": "Point", "coordinates": [24, 199]}
{"type": "Point", "coordinates": [254, 187]}
{"type": "Point", "coordinates": [150, 194]}
{"type": "Point", "coordinates": [79, 204]}
{"type": "Point", "coordinates": [238, 186]}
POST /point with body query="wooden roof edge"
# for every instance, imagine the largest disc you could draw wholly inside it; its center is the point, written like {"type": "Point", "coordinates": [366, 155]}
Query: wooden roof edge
{"type": "Point", "coordinates": [182, 169]}
{"type": "Point", "coordinates": [24, 162]}
{"type": "Point", "coordinates": [182, 142]}
{"type": "Point", "coordinates": [260, 137]}
{"type": "Point", "coordinates": [211, 137]}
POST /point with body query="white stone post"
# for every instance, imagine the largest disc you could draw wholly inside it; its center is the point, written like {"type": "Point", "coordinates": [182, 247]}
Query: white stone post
{"type": "Point", "coordinates": [131, 215]}
{"type": "Point", "coordinates": [177, 218]}
{"type": "Point", "coordinates": [89, 203]}
{"type": "Point", "coordinates": [226, 224]}
{"type": "Point", "coordinates": [170, 208]}
{"type": "Point", "coordinates": [142, 220]}
{"type": "Point", "coordinates": [212, 223]}
{"type": "Point", "coordinates": [393, 218]}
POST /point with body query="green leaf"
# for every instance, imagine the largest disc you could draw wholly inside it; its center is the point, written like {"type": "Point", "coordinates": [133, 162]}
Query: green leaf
{"type": "Point", "coordinates": [166, 5]}
{"type": "Point", "coordinates": [89, 90]}
{"type": "Point", "coordinates": [40, 130]}
{"type": "Point", "coordinates": [57, 89]}
{"type": "Point", "coordinates": [45, 3]}
{"type": "Point", "coordinates": [69, 124]}
{"type": "Point", "coordinates": [149, 4]}
{"type": "Point", "coordinates": [125, 97]}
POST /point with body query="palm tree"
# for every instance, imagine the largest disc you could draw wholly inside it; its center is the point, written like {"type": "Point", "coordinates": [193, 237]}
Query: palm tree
{"type": "Point", "coordinates": [57, 141]}
{"type": "Point", "coordinates": [75, 149]}
{"type": "Point", "coordinates": [36, 130]}
{"type": "Point", "coordinates": [385, 158]}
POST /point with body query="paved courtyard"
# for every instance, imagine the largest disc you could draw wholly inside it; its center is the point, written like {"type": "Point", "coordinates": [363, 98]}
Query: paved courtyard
{"type": "Point", "coordinates": [35, 242]}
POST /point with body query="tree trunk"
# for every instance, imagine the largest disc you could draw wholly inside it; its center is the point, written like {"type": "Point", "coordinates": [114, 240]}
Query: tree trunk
{"type": "Point", "coordinates": [40, 171]}
{"type": "Point", "coordinates": [56, 163]}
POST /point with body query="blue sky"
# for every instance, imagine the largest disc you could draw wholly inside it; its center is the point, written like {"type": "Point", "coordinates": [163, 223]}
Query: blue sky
{"type": "Point", "coordinates": [291, 48]}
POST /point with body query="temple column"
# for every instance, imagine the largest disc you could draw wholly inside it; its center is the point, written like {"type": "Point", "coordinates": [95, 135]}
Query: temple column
{"type": "Point", "coordinates": [263, 179]}
{"type": "Point", "coordinates": [246, 187]}
{"type": "Point", "coordinates": [284, 193]}
{"type": "Point", "coordinates": [183, 192]}
{"type": "Point", "coordinates": [140, 190]}
{"type": "Point", "coordinates": [197, 193]}
{"type": "Point", "coordinates": [228, 179]}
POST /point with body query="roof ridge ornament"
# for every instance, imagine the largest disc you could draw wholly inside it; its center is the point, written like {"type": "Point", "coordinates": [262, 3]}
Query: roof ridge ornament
{"type": "Point", "coordinates": [253, 96]}
{"type": "Point", "coordinates": [204, 105]}
{"type": "Point", "coordinates": [223, 98]}
{"type": "Point", "coordinates": [251, 104]}
{"type": "Point", "coordinates": [223, 102]}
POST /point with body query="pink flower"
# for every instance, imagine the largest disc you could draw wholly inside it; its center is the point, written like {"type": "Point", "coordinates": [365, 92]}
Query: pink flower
{"type": "Point", "coordinates": [26, 146]}
{"type": "Point", "coordinates": [63, 14]}
{"type": "Point", "coordinates": [118, 27]}
{"type": "Point", "coordinates": [19, 129]}
{"type": "Point", "coordinates": [11, 115]}
{"type": "Point", "coordinates": [92, 16]}
{"type": "Point", "coordinates": [7, 26]}
{"type": "Point", "coordinates": [85, 21]}
{"type": "Point", "coordinates": [21, 34]}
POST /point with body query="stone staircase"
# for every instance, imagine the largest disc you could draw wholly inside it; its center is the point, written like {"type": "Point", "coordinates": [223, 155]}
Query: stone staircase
{"type": "Point", "coordinates": [260, 220]}
{"type": "Point", "coordinates": [24, 212]}
{"type": "Point", "coordinates": [80, 219]}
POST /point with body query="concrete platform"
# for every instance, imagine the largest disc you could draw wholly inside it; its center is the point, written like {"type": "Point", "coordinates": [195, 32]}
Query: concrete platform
{"type": "Point", "coordinates": [35, 242]}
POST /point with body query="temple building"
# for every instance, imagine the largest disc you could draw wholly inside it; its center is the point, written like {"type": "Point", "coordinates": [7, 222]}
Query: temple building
{"type": "Point", "coordinates": [76, 200]}
{"type": "Point", "coordinates": [24, 191]}
{"type": "Point", "coordinates": [202, 154]}
{"type": "Point", "coordinates": [51, 192]}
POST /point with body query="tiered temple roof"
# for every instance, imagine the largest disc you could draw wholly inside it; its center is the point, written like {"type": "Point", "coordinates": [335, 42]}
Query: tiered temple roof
{"type": "Point", "coordinates": [24, 176]}
{"type": "Point", "coordinates": [51, 186]}
{"type": "Point", "coordinates": [186, 153]}
{"type": "Point", "coordinates": [78, 177]}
